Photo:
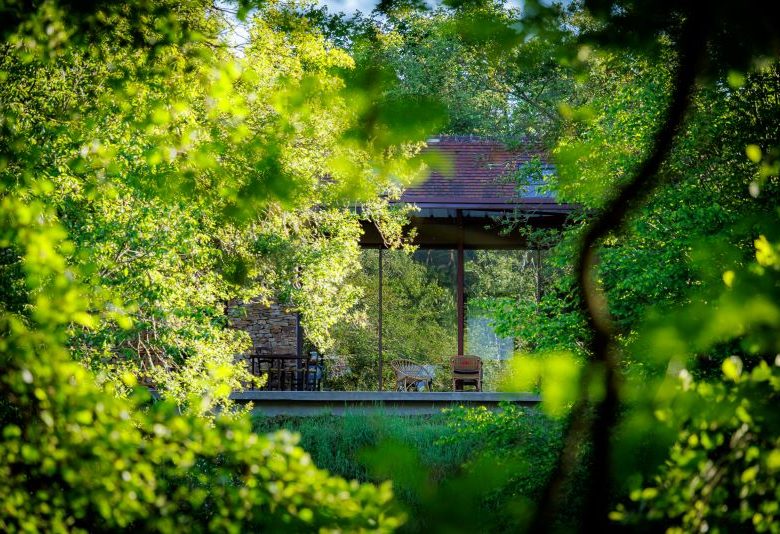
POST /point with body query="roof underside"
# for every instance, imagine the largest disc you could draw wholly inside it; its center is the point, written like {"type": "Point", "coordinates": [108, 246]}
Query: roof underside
{"type": "Point", "coordinates": [469, 203]}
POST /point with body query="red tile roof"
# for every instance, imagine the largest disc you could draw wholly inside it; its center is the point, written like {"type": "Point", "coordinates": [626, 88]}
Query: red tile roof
{"type": "Point", "coordinates": [480, 175]}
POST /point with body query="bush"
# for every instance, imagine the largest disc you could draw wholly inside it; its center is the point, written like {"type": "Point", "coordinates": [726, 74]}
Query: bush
{"type": "Point", "coordinates": [76, 458]}
{"type": "Point", "coordinates": [722, 469]}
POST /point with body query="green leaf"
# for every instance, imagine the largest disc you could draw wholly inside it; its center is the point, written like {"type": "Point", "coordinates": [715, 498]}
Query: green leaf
{"type": "Point", "coordinates": [753, 153]}
{"type": "Point", "coordinates": [732, 368]}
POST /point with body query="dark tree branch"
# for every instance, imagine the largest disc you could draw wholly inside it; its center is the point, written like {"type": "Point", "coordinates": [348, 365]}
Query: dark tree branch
{"type": "Point", "coordinates": [594, 419]}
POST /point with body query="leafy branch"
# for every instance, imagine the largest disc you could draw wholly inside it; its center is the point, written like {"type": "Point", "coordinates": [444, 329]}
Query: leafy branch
{"type": "Point", "coordinates": [592, 419]}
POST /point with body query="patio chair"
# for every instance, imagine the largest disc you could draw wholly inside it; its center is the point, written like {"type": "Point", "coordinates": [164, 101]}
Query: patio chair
{"type": "Point", "coordinates": [411, 376]}
{"type": "Point", "coordinates": [466, 370]}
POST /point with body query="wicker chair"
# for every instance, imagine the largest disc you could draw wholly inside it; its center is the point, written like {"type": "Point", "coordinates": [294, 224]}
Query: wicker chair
{"type": "Point", "coordinates": [410, 375]}
{"type": "Point", "coordinates": [466, 370]}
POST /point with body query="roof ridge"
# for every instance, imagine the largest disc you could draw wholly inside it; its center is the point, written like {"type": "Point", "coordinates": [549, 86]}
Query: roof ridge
{"type": "Point", "coordinates": [526, 145]}
{"type": "Point", "coordinates": [465, 137]}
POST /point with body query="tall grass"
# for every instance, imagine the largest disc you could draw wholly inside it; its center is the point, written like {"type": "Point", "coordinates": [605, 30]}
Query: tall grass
{"type": "Point", "coordinates": [466, 470]}
{"type": "Point", "coordinates": [343, 444]}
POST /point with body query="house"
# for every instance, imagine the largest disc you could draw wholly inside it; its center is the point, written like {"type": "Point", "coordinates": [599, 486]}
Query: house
{"type": "Point", "coordinates": [461, 206]}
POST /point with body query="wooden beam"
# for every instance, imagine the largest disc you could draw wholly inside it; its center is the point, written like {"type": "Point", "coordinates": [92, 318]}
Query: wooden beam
{"type": "Point", "coordinates": [483, 233]}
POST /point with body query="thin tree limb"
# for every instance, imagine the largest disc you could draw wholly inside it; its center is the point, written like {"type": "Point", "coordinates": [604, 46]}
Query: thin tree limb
{"type": "Point", "coordinates": [595, 418]}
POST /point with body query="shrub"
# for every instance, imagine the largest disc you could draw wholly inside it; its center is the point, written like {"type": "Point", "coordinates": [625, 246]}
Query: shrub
{"type": "Point", "coordinates": [76, 458]}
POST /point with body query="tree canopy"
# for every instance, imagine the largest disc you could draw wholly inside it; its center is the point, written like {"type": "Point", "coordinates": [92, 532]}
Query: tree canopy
{"type": "Point", "coordinates": [151, 176]}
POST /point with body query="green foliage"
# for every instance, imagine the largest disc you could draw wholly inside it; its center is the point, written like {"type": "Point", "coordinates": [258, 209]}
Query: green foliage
{"type": "Point", "coordinates": [192, 178]}
{"type": "Point", "coordinates": [683, 295]}
{"type": "Point", "coordinates": [722, 469]}
{"type": "Point", "coordinates": [491, 465]}
{"type": "Point", "coordinates": [491, 274]}
{"type": "Point", "coordinates": [678, 241]}
{"type": "Point", "coordinates": [337, 443]}
{"type": "Point", "coordinates": [524, 442]}
{"type": "Point", "coordinates": [468, 57]}
{"type": "Point", "coordinates": [664, 279]}
{"type": "Point", "coordinates": [143, 170]}
{"type": "Point", "coordinates": [418, 320]}
{"type": "Point", "coordinates": [149, 177]}
{"type": "Point", "coordinates": [77, 458]}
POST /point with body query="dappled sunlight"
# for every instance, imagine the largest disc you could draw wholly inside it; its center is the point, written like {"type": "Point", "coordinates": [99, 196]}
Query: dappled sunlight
{"type": "Point", "coordinates": [497, 266]}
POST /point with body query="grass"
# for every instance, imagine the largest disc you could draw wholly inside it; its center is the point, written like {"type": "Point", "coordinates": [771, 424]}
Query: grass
{"type": "Point", "coordinates": [343, 444]}
{"type": "Point", "coordinates": [453, 472]}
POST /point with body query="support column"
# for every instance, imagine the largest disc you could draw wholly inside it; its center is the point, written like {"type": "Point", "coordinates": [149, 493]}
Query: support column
{"type": "Point", "coordinates": [301, 374]}
{"type": "Point", "coordinates": [460, 287]}
{"type": "Point", "coordinates": [379, 327]}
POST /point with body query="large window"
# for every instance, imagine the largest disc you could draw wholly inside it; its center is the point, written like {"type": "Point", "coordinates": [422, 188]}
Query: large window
{"type": "Point", "coordinates": [419, 313]}
{"type": "Point", "coordinates": [419, 319]}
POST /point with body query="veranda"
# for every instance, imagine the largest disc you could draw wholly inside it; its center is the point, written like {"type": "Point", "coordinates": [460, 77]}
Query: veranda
{"type": "Point", "coordinates": [460, 212]}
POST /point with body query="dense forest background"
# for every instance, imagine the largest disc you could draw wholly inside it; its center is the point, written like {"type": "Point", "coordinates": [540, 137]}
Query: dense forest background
{"type": "Point", "coordinates": [153, 171]}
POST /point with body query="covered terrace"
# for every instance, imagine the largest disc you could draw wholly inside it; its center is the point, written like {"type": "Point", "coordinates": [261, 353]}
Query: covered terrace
{"type": "Point", "coordinates": [465, 210]}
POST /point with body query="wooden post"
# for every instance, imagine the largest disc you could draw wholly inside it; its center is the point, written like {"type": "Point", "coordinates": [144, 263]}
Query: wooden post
{"type": "Point", "coordinates": [299, 337]}
{"type": "Point", "coordinates": [379, 326]}
{"type": "Point", "coordinates": [460, 289]}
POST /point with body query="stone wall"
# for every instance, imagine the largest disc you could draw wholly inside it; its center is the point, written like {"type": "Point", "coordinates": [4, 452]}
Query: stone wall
{"type": "Point", "coordinates": [271, 327]}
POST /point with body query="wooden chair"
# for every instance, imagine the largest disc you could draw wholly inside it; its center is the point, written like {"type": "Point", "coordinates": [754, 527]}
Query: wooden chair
{"type": "Point", "coordinates": [409, 375]}
{"type": "Point", "coordinates": [466, 370]}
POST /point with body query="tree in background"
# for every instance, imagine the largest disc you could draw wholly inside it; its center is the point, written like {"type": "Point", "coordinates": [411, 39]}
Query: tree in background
{"type": "Point", "coordinates": [660, 326]}
{"type": "Point", "coordinates": [679, 171]}
{"type": "Point", "coordinates": [143, 168]}
{"type": "Point", "coordinates": [419, 315]}
{"type": "Point", "coordinates": [671, 375]}
{"type": "Point", "coordinates": [491, 79]}
{"type": "Point", "coordinates": [418, 321]}
{"type": "Point", "coordinates": [191, 178]}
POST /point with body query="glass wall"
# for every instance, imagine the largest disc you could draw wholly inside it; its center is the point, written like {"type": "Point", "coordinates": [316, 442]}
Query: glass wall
{"type": "Point", "coordinates": [419, 314]}
{"type": "Point", "coordinates": [495, 281]}
{"type": "Point", "coordinates": [419, 320]}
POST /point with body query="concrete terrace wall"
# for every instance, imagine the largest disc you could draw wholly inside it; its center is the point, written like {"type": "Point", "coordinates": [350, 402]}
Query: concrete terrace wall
{"type": "Point", "coordinates": [271, 403]}
{"type": "Point", "coordinates": [271, 327]}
